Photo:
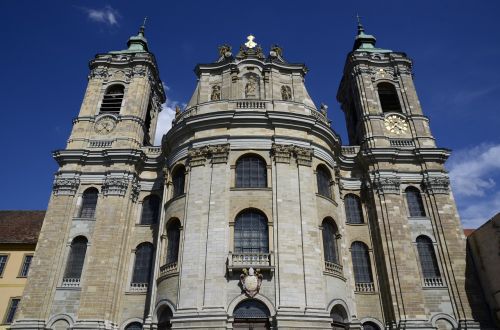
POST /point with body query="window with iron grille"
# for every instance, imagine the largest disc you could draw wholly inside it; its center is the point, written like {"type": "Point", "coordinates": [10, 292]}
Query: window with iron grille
{"type": "Point", "coordinates": [178, 179]}
{"type": "Point", "coordinates": [251, 172]}
{"type": "Point", "coordinates": [388, 96]}
{"type": "Point", "coordinates": [361, 263]}
{"type": "Point", "coordinates": [112, 100]}
{"type": "Point", "coordinates": [143, 263]}
{"type": "Point", "coordinates": [353, 210]}
{"type": "Point", "coordinates": [76, 258]}
{"type": "Point", "coordinates": [150, 210]}
{"type": "Point", "coordinates": [370, 326]}
{"type": "Point", "coordinates": [11, 310]}
{"type": "Point", "coordinates": [134, 326]}
{"type": "Point", "coordinates": [415, 203]}
{"type": "Point", "coordinates": [173, 237]}
{"type": "Point", "coordinates": [428, 261]}
{"type": "Point", "coordinates": [3, 262]}
{"type": "Point", "coordinates": [323, 179]}
{"type": "Point", "coordinates": [26, 266]}
{"type": "Point", "coordinates": [251, 233]}
{"type": "Point", "coordinates": [89, 203]}
{"type": "Point", "coordinates": [251, 309]}
{"type": "Point", "coordinates": [330, 241]}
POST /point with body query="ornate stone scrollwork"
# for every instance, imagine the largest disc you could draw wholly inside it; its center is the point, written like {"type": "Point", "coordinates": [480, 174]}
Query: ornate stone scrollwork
{"type": "Point", "coordinates": [139, 71]}
{"type": "Point", "coordinates": [197, 156]}
{"type": "Point", "coordinates": [440, 185]}
{"type": "Point", "coordinates": [219, 153]}
{"type": "Point", "coordinates": [282, 152]}
{"type": "Point", "coordinates": [135, 189]}
{"type": "Point", "coordinates": [386, 185]}
{"type": "Point", "coordinates": [303, 155]}
{"type": "Point", "coordinates": [114, 186]}
{"type": "Point", "coordinates": [65, 186]}
{"type": "Point", "coordinates": [99, 72]}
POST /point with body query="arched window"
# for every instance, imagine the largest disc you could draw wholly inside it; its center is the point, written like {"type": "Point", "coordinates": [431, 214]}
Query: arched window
{"type": "Point", "coordinates": [370, 326]}
{"type": "Point", "coordinates": [353, 210]}
{"type": "Point", "coordinates": [388, 96]}
{"type": "Point", "coordinates": [89, 203]}
{"type": "Point", "coordinates": [178, 179]}
{"type": "Point", "coordinates": [150, 210]}
{"type": "Point", "coordinates": [339, 317]}
{"type": "Point", "coordinates": [143, 263]}
{"type": "Point", "coordinates": [60, 325]}
{"type": "Point", "coordinates": [251, 172]}
{"type": "Point", "coordinates": [361, 264]}
{"type": "Point", "coordinates": [323, 179]}
{"type": "Point", "coordinates": [134, 326]}
{"type": "Point", "coordinates": [76, 258]}
{"type": "Point", "coordinates": [428, 261]}
{"type": "Point", "coordinates": [173, 237]}
{"type": "Point", "coordinates": [164, 318]}
{"type": "Point", "coordinates": [415, 204]}
{"type": "Point", "coordinates": [112, 100]}
{"type": "Point", "coordinates": [251, 233]}
{"type": "Point", "coordinates": [330, 233]}
{"type": "Point", "coordinates": [251, 314]}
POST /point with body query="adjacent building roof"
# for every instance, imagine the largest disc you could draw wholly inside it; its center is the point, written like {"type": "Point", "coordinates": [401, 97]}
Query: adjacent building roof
{"type": "Point", "coordinates": [468, 231]}
{"type": "Point", "coordinates": [21, 227]}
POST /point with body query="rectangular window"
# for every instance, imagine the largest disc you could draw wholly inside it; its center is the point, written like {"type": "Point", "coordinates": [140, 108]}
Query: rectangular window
{"type": "Point", "coordinates": [26, 266]}
{"type": "Point", "coordinates": [11, 310]}
{"type": "Point", "coordinates": [3, 262]}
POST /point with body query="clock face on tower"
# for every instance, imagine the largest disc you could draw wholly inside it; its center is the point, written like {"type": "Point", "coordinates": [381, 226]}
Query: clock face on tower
{"type": "Point", "coordinates": [396, 124]}
{"type": "Point", "coordinates": [105, 125]}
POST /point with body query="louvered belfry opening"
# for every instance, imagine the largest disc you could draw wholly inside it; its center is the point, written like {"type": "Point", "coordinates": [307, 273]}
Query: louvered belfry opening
{"type": "Point", "coordinates": [112, 100]}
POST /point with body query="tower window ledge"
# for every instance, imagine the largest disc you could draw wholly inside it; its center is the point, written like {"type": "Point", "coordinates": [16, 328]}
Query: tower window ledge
{"type": "Point", "coordinates": [365, 288]}
{"type": "Point", "coordinates": [83, 219]}
{"type": "Point", "coordinates": [251, 189]}
{"type": "Point", "coordinates": [138, 288]}
{"type": "Point", "coordinates": [239, 261]}
{"type": "Point", "coordinates": [424, 218]}
{"type": "Point", "coordinates": [327, 198]}
{"type": "Point", "coordinates": [434, 283]}
{"type": "Point", "coordinates": [173, 199]}
{"type": "Point", "coordinates": [356, 224]}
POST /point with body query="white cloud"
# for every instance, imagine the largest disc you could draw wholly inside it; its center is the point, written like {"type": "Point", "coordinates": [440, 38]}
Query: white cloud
{"type": "Point", "coordinates": [472, 171]}
{"type": "Point", "coordinates": [473, 174]}
{"type": "Point", "coordinates": [475, 213]}
{"type": "Point", "coordinates": [165, 119]}
{"type": "Point", "coordinates": [107, 15]}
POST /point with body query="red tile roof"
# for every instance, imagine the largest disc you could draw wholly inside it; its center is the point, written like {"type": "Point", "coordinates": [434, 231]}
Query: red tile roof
{"type": "Point", "coordinates": [21, 227]}
{"type": "Point", "coordinates": [467, 232]}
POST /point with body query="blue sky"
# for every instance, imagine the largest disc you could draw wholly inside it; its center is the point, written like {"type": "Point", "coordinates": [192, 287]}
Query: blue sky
{"type": "Point", "coordinates": [455, 46]}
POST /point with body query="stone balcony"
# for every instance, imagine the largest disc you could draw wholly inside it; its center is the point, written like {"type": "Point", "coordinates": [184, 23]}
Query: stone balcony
{"type": "Point", "coordinates": [168, 270]}
{"type": "Point", "coordinates": [367, 287]}
{"type": "Point", "coordinates": [70, 283]}
{"type": "Point", "coordinates": [253, 105]}
{"type": "Point", "coordinates": [433, 282]}
{"type": "Point", "coordinates": [138, 287]}
{"type": "Point", "coordinates": [262, 261]}
{"type": "Point", "coordinates": [332, 268]}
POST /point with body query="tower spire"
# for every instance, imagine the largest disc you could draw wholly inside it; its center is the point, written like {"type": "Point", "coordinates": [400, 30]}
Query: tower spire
{"type": "Point", "coordinates": [143, 26]}
{"type": "Point", "coordinates": [365, 42]}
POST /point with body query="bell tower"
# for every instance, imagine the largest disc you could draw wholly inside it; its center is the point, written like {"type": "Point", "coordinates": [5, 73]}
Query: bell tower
{"type": "Point", "coordinates": [105, 200]}
{"type": "Point", "coordinates": [378, 97]}
{"type": "Point", "coordinates": [122, 101]}
{"type": "Point", "coordinates": [404, 185]}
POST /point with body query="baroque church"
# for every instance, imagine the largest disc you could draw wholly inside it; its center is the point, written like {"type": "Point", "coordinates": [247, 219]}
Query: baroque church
{"type": "Point", "coordinates": [252, 214]}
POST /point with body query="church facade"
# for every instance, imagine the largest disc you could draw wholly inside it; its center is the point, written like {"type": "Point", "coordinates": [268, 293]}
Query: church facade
{"type": "Point", "coordinates": [251, 214]}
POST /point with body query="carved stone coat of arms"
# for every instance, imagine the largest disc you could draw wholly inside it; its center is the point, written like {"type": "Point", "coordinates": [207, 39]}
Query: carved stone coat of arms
{"type": "Point", "coordinates": [251, 280]}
